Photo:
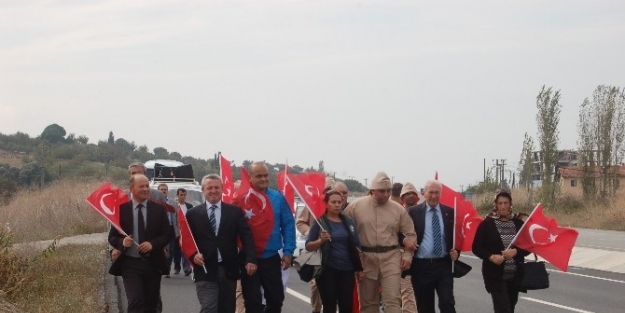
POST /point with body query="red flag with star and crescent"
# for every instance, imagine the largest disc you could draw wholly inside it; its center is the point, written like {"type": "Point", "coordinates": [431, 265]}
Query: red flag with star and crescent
{"type": "Point", "coordinates": [286, 189]}
{"type": "Point", "coordinates": [186, 240]}
{"type": "Point", "coordinates": [258, 211]}
{"type": "Point", "coordinates": [467, 217]}
{"type": "Point", "coordinates": [226, 176]}
{"type": "Point", "coordinates": [106, 201]}
{"type": "Point", "coordinates": [309, 186]}
{"type": "Point", "coordinates": [542, 235]}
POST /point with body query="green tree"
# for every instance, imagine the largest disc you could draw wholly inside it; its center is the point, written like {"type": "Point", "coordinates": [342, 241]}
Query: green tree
{"type": "Point", "coordinates": [525, 163]}
{"type": "Point", "coordinates": [548, 118]}
{"type": "Point", "coordinates": [354, 185]}
{"type": "Point", "coordinates": [125, 145]}
{"type": "Point", "coordinates": [601, 129]}
{"type": "Point", "coordinates": [161, 152]}
{"type": "Point", "coordinates": [53, 133]}
{"type": "Point", "coordinates": [83, 139]}
{"type": "Point", "coordinates": [30, 173]}
{"type": "Point", "coordinates": [111, 139]}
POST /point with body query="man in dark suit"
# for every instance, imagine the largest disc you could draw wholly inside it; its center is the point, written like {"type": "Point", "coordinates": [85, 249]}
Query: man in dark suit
{"type": "Point", "coordinates": [432, 263]}
{"type": "Point", "coordinates": [142, 259]}
{"type": "Point", "coordinates": [216, 225]}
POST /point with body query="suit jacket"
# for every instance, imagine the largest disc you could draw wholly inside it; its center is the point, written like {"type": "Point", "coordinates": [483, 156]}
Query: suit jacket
{"type": "Point", "coordinates": [417, 213]}
{"type": "Point", "coordinates": [157, 232]}
{"type": "Point", "coordinates": [488, 242]}
{"type": "Point", "coordinates": [232, 226]}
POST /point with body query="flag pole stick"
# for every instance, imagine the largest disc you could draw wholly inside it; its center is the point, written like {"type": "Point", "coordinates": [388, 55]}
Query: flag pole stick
{"type": "Point", "coordinates": [523, 226]}
{"type": "Point", "coordinates": [307, 207]}
{"type": "Point", "coordinates": [184, 217]}
{"type": "Point", "coordinates": [453, 246]}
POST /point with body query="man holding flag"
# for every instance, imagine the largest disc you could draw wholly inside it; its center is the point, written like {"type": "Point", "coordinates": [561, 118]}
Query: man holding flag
{"type": "Point", "coordinates": [432, 265]}
{"type": "Point", "coordinates": [273, 228]}
{"type": "Point", "coordinates": [216, 226]}
{"type": "Point", "coordinates": [142, 258]}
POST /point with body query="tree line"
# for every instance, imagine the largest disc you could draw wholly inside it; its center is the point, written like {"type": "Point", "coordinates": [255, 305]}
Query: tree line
{"type": "Point", "coordinates": [56, 154]}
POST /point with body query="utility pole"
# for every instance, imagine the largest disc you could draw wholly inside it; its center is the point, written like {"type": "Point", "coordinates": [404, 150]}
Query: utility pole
{"type": "Point", "coordinates": [503, 172]}
{"type": "Point", "coordinates": [366, 183]}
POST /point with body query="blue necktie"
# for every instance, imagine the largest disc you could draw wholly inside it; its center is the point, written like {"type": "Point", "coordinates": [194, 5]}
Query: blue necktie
{"type": "Point", "coordinates": [212, 218]}
{"type": "Point", "coordinates": [436, 234]}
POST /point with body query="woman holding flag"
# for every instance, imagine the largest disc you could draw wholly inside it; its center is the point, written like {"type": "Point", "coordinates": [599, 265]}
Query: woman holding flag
{"type": "Point", "coordinates": [501, 266]}
{"type": "Point", "coordinates": [340, 260]}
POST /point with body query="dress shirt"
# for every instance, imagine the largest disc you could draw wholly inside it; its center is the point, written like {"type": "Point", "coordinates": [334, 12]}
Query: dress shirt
{"type": "Point", "coordinates": [133, 251]}
{"type": "Point", "coordinates": [217, 219]}
{"type": "Point", "coordinates": [426, 248]}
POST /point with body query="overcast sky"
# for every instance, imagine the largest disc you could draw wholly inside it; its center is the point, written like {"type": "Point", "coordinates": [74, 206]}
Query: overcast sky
{"type": "Point", "coordinates": [406, 87]}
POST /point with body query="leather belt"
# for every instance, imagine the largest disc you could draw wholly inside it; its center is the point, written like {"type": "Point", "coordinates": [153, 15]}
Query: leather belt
{"type": "Point", "coordinates": [378, 249]}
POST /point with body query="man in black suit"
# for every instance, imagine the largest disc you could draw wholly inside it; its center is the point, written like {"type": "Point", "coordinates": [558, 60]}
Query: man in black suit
{"type": "Point", "coordinates": [432, 263]}
{"type": "Point", "coordinates": [142, 259]}
{"type": "Point", "coordinates": [216, 225]}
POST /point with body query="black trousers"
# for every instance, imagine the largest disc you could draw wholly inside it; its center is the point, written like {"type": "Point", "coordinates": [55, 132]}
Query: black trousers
{"type": "Point", "coordinates": [336, 287]}
{"type": "Point", "coordinates": [429, 276]}
{"type": "Point", "coordinates": [269, 276]}
{"type": "Point", "coordinates": [142, 282]}
{"type": "Point", "coordinates": [505, 297]}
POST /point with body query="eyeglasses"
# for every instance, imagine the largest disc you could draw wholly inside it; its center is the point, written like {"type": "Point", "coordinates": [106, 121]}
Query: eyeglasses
{"type": "Point", "coordinates": [343, 192]}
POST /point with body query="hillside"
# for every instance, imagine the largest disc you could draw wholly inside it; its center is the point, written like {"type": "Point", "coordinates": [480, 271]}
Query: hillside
{"type": "Point", "coordinates": [27, 161]}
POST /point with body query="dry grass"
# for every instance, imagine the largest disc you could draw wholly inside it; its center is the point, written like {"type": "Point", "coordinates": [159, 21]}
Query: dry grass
{"type": "Point", "coordinates": [69, 279]}
{"type": "Point", "coordinates": [58, 210]}
{"type": "Point", "coordinates": [570, 211]}
{"type": "Point", "coordinates": [63, 279]}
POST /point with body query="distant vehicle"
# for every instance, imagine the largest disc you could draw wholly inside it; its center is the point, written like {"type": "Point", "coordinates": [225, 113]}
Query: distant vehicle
{"type": "Point", "coordinates": [175, 175]}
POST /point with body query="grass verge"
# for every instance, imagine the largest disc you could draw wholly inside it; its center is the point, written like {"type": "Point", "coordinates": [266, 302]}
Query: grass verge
{"type": "Point", "coordinates": [63, 279]}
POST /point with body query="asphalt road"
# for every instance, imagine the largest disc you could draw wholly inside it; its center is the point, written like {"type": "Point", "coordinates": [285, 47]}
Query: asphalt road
{"type": "Point", "coordinates": [580, 290]}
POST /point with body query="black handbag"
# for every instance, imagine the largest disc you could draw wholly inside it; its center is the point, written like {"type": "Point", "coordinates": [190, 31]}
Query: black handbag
{"type": "Point", "coordinates": [535, 275]}
{"type": "Point", "coordinates": [306, 272]}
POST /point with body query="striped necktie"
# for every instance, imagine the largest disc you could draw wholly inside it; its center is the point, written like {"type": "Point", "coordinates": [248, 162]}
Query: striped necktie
{"type": "Point", "coordinates": [437, 249]}
{"type": "Point", "coordinates": [212, 218]}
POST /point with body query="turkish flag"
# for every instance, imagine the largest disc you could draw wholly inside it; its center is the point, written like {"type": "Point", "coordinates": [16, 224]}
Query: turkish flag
{"type": "Point", "coordinates": [226, 176]}
{"type": "Point", "coordinates": [258, 210]}
{"type": "Point", "coordinates": [355, 299]}
{"type": "Point", "coordinates": [467, 217]}
{"type": "Point", "coordinates": [543, 236]}
{"type": "Point", "coordinates": [106, 201]}
{"type": "Point", "coordinates": [309, 186]}
{"type": "Point", "coordinates": [286, 189]}
{"type": "Point", "coordinates": [187, 242]}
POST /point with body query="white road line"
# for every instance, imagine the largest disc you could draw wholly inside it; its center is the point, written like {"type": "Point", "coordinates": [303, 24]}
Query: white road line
{"type": "Point", "coordinates": [298, 295]}
{"type": "Point", "coordinates": [567, 273]}
{"type": "Point", "coordinates": [556, 305]}
{"type": "Point", "coordinates": [588, 276]}
{"type": "Point", "coordinates": [600, 247]}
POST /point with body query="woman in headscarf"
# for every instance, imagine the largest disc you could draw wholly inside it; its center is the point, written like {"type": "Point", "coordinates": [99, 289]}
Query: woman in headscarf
{"type": "Point", "coordinates": [501, 261]}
